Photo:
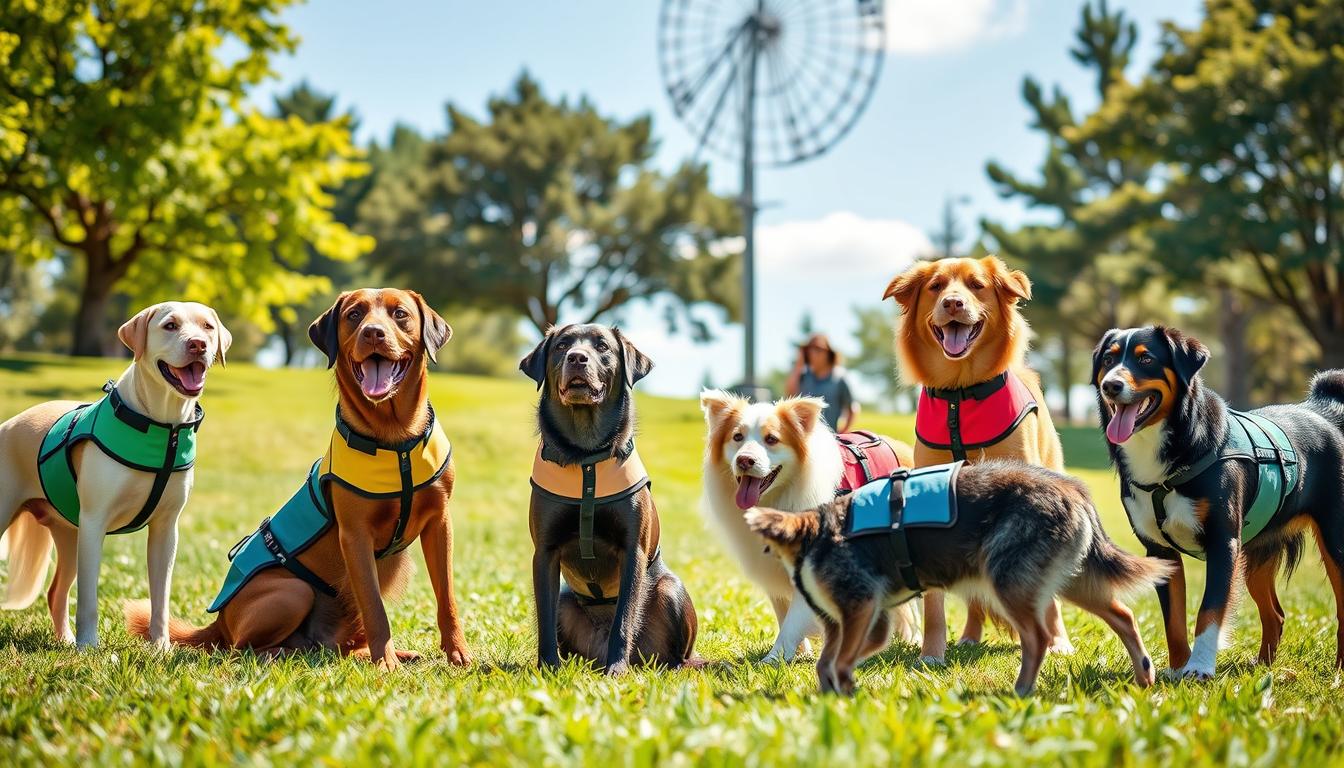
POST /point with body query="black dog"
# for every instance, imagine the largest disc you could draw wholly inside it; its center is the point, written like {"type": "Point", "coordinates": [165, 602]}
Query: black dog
{"type": "Point", "coordinates": [592, 515]}
{"type": "Point", "coordinates": [1237, 489]}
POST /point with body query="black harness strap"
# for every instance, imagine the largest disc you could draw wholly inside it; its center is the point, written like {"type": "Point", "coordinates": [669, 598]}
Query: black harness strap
{"type": "Point", "coordinates": [368, 445]}
{"type": "Point", "coordinates": [861, 455]}
{"type": "Point", "coordinates": [588, 513]}
{"type": "Point", "coordinates": [896, 539]}
{"type": "Point", "coordinates": [291, 563]}
{"type": "Point", "coordinates": [164, 473]}
{"type": "Point", "coordinates": [1160, 491]}
{"type": "Point", "coordinates": [954, 398]}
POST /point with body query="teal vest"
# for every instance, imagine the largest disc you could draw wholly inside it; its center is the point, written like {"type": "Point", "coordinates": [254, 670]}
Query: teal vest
{"type": "Point", "coordinates": [1252, 438]}
{"type": "Point", "coordinates": [130, 438]}
{"type": "Point", "coordinates": [909, 498]}
{"type": "Point", "coordinates": [358, 463]}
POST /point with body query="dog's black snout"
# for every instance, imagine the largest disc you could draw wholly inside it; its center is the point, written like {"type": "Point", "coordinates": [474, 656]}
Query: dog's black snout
{"type": "Point", "coordinates": [954, 303]}
{"type": "Point", "coordinates": [197, 346]}
{"type": "Point", "coordinates": [373, 334]}
{"type": "Point", "coordinates": [577, 358]}
{"type": "Point", "coordinates": [745, 462]}
{"type": "Point", "coordinates": [1112, 387]}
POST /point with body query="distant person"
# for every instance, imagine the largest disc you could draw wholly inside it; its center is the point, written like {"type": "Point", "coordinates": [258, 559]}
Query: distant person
{"type": "Point", "coordinates": [817, 373]}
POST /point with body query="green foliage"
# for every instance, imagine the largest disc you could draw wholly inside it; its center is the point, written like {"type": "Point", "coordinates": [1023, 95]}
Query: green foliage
{"type": "Point", "coordinates": [124, 140]}
{"type": "Point", "coordinates": [127, 704]}
{"type": "Point", "coordinates": [551, 210]}
{"type": "Point", "coordinates": [876, 358]}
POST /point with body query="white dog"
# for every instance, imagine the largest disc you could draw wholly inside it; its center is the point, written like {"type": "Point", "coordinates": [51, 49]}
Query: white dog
{"type": "Point", "coordinates": [81, 492]}
{"type": "Point", "coordinates": [783, 456]}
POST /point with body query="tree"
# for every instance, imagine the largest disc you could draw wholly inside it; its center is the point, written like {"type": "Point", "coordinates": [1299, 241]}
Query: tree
{"type": "Point", "coordinates": [876, 358]}
{"type": "Point", "coordinates": [554, 211]}
{"type": "Point", "coordinates": [124, 141]}
{"type": "Point", "coordinates": [1244, 115]}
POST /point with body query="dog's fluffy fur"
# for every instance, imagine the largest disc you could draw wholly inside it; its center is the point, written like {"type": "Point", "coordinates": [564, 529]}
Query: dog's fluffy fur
{"type": "Point", "coordinates": [166, 340]}
{"type": "Point", "coordinates": [1022, 535]}
{"type": "Point", "coordinates": [789, 445]}
{"type": "Point", "coordinates": [1158, 414]}
{"type": "Point", "coordinates": [975, 301]}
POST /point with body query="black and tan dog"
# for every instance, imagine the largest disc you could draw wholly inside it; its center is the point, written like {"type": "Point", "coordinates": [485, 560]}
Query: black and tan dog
{"type": "Point", "coordinates": [1009, 534]}
{"type": "Point", "coordinates": [1237, 489]}
{"type": "Point", "coordinates": [592, 515]}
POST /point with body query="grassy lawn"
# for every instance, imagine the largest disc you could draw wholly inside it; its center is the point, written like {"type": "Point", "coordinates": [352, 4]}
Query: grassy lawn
{"type": "Point", "coordinates": [264, 428]}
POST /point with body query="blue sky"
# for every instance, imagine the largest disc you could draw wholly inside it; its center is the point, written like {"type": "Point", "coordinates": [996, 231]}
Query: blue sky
{"type": "Point", "coordinates": [833, 230]}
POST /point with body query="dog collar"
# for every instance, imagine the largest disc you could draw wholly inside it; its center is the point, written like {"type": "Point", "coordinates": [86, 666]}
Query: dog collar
{"type": "Point", "coordinates": [129, 437]}
{"type": "Point", "coordinates": [978, 416]}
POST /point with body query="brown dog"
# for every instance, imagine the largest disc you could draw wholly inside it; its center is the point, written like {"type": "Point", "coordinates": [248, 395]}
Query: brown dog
{"type": "Point", "coordinates": [323, 585]}
{"type": "Point", "coordinates": [961, 337]}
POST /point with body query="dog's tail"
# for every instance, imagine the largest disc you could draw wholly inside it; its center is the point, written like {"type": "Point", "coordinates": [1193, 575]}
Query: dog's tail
{"type": "Point", "coordinates": [787, 530]}
{"type": "Point", "coordinates": [1326, 396]}
{"type": "Point", "coordinates": [1109, 572]}
{"type": "Point", "coordinates": [29, 545]}
{"type": "Point", "coordinates": [209, 637]}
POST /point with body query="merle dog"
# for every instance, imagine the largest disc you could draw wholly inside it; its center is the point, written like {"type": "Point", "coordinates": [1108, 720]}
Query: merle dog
{"type": "Point", "coordinates": [592, 514]}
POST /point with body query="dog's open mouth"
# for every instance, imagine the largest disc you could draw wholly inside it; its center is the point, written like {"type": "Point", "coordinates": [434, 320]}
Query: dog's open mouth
{"type": "Point", "coordinates": [956, 338]}
{"type": "Point", "coordinates": [749, 488]}
{"type": "Point", "coordinates": [580, 387]}
{"type": "Point", "coordinates": [189, 380]}
{"type": "Point", "coordinates": [1128, 418]}
{"type": "Point", "coordinates": [378, 376]}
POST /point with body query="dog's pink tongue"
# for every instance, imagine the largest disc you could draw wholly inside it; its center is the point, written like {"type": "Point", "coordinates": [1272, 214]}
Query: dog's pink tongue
{"type": "Point", "coordinates": [192, 377]}
{"type": "Point", "coordinates": [377, 376]}
{"type": "Point", "coordinates": [749, 491]}
{"type": "Point", "coordinates": [1121, 427]}
{"type": "Point", "coordinates": [956, 337]}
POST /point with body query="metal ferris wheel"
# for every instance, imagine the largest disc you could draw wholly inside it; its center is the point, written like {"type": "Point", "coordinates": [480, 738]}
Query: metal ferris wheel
{"type": "Point", "coordinates": [769, 82]}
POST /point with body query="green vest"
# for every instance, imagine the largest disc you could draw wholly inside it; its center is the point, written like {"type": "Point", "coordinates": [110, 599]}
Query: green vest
{"type": "Point", "coordinates": [1252, 438]}
{"type": "Point", "coordinates": [131, 438]}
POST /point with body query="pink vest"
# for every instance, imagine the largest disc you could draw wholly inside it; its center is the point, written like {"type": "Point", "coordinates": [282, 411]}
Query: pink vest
{"type": "Point", "coordinates": [867, 457]}
{"type": "Point", "coordinates": [978, 416]}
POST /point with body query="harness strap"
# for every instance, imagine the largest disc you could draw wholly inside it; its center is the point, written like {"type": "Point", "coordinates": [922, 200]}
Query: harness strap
{"type": "Point", "coordinates": [588, 512]}
{"type": "Point", "coordinates": [862, 457]}
{"type": "Point", "coordinates": [292, 564]}
{"type": "Point", "coordinates": [896, 539]}
{"type": "Point", "coordinates": [156, 490]}
{"type": "Point", "coordinates": [406, 497]}
{"type": "Point", "coordinates": [955, 397]}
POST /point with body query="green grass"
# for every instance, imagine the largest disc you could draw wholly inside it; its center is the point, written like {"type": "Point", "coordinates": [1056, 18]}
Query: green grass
{"type": "Point", "coordinates": [263, 429]}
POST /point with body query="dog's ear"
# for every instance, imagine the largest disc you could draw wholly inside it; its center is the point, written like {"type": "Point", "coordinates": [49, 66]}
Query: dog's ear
{"type": "Point", "coordinates": [805, 411]}
{"type": "Point", "coordinates": [1188, 354]}
{"type": "Point", "coordinates": [1012, 283]}
{"type": "Point", "coordinates": [434, 330]}
{"type": "Point", "coordinates": [223, 339]}
{"type": "Point", "coordinates": [534, 365]}
{"type": "Point", "coordinates": [715, 403]}
{"type": "Point", "coordinates": [905, 286]}
{"type": "Point", "coordinates": [324, 330]}
{"type": "Point", "coordinates": [636, 364]}
{"type": "Point", "coordinates": [134, 333]}
{"type": "Point", "coordinates": [1107, 339]}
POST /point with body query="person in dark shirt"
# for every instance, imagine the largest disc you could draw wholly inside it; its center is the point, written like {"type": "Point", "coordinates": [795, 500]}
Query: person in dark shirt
{"type": "Point", "coordinates": [817, 373]}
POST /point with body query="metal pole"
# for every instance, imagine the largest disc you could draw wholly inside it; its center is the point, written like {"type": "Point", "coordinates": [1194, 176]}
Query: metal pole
{"type": "Point", "coordinates": [749, 199]}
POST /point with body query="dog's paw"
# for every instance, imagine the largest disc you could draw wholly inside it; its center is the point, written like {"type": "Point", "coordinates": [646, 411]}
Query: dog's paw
{"type": "Point", "coordinates": [932, 661]}
{"type": "Point", "coordinates": [161, 645]}
{"type": "Point", "coordinates": [458, 656]}
{"type": "Point", "coordinates": [777, 656]}
{"type": "Point", "coordinates": [1197, 672]}
{"type": "Point", "coordinates": [1062, 647]}
{"type": "Point", "coordinates": [66, 638]}
{"type": "Point", "coordinates": [388, 663]}
{"type": "Point", "coordinates": [618, 669]}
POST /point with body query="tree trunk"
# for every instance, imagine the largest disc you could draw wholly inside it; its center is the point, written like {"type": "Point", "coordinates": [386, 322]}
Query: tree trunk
{"type": "Point", "coordinates": [1332, 351]}
{"type": "Point", "coordinates": [285, 331]}
{"type": "Point", "coordinates": [1232, 322]}
{"type": "Point", "coordinates": [90, 332]}
{"type": "Point", "coordinates": [1066, 373]}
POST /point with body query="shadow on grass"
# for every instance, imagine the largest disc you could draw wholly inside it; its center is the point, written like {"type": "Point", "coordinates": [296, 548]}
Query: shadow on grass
{"type": "Point", "coordinates": [12, 365]}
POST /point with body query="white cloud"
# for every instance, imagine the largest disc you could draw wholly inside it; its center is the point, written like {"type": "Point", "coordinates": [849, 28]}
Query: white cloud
{"type": "Point", "coordinates": [934, 26]}
{"type": "Point", "coordinates": [841, 243]}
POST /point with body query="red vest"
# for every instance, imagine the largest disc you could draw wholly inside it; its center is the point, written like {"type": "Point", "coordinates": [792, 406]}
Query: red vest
{"type": "Point", "coordinates": [867, 458]}
{"type": "Point", "coordinates": [979, 416]}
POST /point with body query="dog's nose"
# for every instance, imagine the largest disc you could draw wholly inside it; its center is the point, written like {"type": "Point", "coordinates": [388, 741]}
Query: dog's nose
{"type": "Point", "coordinates": [954, 303]}
{"type": "Point", "coordinates": [1112, 387]}
{"type": "Point", "coordinates": [745, 462]}
{"type": "Point", "coordinates": [197, 346]}
{"type": "Point", "coordinates": [577, 358]}
{"type": "Point", "coordinates": [373, 334]}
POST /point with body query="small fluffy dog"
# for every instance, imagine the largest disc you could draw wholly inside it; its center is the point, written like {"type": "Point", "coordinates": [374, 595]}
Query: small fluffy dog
{"type": "Point", "coordinates": [780, 455]}
{"type": "Point", "coordinates": [1239, 490]}
{"type": "Point", "coordinates": [114, 466]}
{"type": "Point", "coordinates": [1010, 534]}
{"type": "Point", "coordinates": [962, 338]}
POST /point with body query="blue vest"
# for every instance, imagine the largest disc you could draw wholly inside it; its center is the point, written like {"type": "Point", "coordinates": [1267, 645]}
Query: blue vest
{"type": "Point", "coordinates": [909, 498]}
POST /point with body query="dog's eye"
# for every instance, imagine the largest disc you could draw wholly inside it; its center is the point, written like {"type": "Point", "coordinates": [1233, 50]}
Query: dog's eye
{"type": "Point", "coordinates": [976, 285]}
{"type": "Point", "coordinates": [354, 315]}
{"type": "Point", "coordinates": [738, 438]}
{"type": "Point", "coordinates": [601, 346]}
{"type": "Point", "coordinates": [1145, 359]}
{"type": "Point", "coordinates": [170, 326]}
{"type": "Point", "coordinates": [937, 285]}
{"type": "Point", "coordinates": [1108, 360]}
{"type": "Point", "coordinates": [562, 345]}
{"type": "Point", "coordinates": [401, 314]}
{"type": "Point", "coordinates": [771, 440]}
{"type": "Point", "coordinates": [208, 327]}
